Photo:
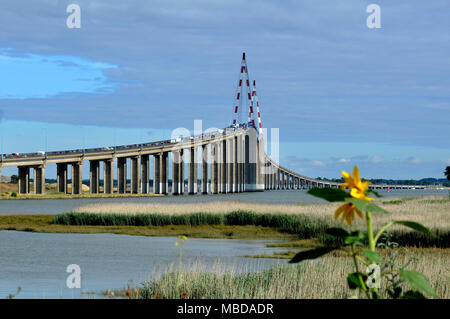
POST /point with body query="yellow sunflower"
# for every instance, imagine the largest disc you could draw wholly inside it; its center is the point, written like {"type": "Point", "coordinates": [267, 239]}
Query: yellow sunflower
{"type": "Point", "coordinates": [348, 211]}
{"type": "Point", "coordinates": [354, 183]}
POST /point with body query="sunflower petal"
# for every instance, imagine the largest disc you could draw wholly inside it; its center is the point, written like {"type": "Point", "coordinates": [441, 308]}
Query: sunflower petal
{"type": "Point", "coordinates": [356, 177]}
{"type": "Point", "coordinates": [339, 211]}
{"type": "Point", "coordinates": [359, 213]}
{"type": "Point", "coordinates": [354, 192]}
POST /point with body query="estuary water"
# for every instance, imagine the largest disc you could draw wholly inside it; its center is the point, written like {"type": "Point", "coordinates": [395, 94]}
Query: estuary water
{"type": "Point", "coordinates": [38, 262]}
{"type": "Point", "coordinates": [57, 206]}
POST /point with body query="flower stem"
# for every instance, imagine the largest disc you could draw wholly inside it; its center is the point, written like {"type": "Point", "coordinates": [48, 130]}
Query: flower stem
{"type": "Point", "coordinates": [370, 231]}
{"type": "Point", "coordinates": [370, 237]}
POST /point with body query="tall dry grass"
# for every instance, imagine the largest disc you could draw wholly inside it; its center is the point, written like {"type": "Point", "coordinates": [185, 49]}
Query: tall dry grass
{"type": "Point", "coordinates": [323, 278]}
{"type": "Point", "coordinates": [434, 212]}
{"type": "Point", "coordinates": [304, 220]}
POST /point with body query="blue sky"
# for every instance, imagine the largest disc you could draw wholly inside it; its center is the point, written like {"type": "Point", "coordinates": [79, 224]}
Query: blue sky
{"type": "Point", "coordinates": [340, 93]}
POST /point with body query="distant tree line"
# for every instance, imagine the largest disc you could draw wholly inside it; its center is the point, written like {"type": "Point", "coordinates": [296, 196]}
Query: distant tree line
{"type": "Point", "coordinates": [424, 181]}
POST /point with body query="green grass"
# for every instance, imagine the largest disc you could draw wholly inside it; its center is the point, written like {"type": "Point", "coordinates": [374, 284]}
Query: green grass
{"type": "Point", "coordinates": [44, 224]}
{"type": "Point", "coordinates": [393, 202]}
{"type": "Point", "coordinates": [300, 225]}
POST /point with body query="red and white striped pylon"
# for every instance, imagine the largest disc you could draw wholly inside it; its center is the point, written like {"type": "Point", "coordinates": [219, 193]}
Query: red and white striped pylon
{"type": "Point", "coordinates": [242, 74]}
{"type": "Point", "coordinates": [251, 114]}
{"type": "Point", "coordinates": [255, 101]}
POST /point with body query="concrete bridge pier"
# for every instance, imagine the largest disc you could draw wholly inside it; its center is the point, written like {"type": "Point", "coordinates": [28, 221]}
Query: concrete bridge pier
{"type": "Point", "coordinates": [135, 175]}
{"type": "Point", "coordinates": [61, 177]}
{"type": "Point", "coordinates": [156, 173]}
{"type": "Point", "coordinates": [108, 176]}
{"type": "Point", "coordinates": [24, 179]}
{"type": "Point", "coordinates": [175, 172]}
{"type": "Point", "coordinates": [121, 175]}
{"type": "Point", "coordinates": [276, 179]}
{"type": "Point", "coordinates": [39, 179]}
{"type": "Point", "coordinates": [281, 180]}
{"type": "Point", "coordinates": [239, 164]}
{"type": "Point", "coordinates": [192, 172]}
{"type": "Point", "coordinates": [270, 176]}
{"type": "Point", "coordinates": [265, 175]}
{"type": "Point", "coordinates": [243, 166]}
{"type": "Point", "coordinates": [214, 168]}
{"type": "Point", "coordinates": [94, 176]}
{"type": "Point", "coordinates": [77, 178]}
{"type": "Point", "coordinates": [260, 165]}
{"type": "Point", "coordinates": [223, 166]}
{"type": "Point", "coordinates": [164, 173]}
{"type": "Point", "coordinates": [234, 165]}
{"type": "Point", "coordinates": [181, 173]}
{"type": "Point", "coordinates": [229, 165]}
{"type": "Point", "coordinates": [251, 162]}
{"type": "Point", "coordinates": [145, 170]}
{"type": "Point", "coordinates": [301, 183]}
{"type": "Point", "coordinates": [204, 169]}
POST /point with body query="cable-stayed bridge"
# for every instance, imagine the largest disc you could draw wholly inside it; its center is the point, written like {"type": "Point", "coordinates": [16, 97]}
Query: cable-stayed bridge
{"type": "Point", "coordinates": [232, 160]}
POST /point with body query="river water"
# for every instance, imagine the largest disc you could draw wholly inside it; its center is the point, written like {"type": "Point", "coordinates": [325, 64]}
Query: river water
{"type": "Point", "coordinates": [56, 206]}
{"type": "Point", "coordinates": [38, 262]}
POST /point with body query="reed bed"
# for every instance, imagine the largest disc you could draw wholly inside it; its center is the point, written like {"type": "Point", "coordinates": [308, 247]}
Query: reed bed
{"type": "Point", "coordinates": [213, 207]}
{"type": "Point", "coordinates": [323, 278]}
{"type": "Point", "coordinates": [305, 220]}
{"type": "Point", "coordinates": [301, 225]}
{"type": "Point", "coordinates": [434, 212]}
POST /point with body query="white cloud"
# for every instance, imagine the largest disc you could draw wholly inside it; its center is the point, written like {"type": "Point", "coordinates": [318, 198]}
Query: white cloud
{"type": "Point", "coordinates": [377, 159]}
{"type": "Point", "coordinates": [344, 160]}
{"type": "Point", "coordinates": [446, 161]}
{"type": "Point", "coordinates": [318, 163]}
{"type": "Point", "coordinates": [414, 160]}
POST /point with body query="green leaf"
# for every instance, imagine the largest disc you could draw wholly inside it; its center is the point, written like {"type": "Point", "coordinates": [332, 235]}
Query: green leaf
{"type": "Point", "coordinates": [417, 280]}
{"type": "Point", "coordinates": [413, 294]}
{"type": "Point", "coordinates": [356, 238]}
{"type": "Point", "coordinates": [311, 254]}
{"type": "Point", "coordinates": [329, 194]}
{"type": "Point", "coordinates": [372, 256]}
{"type": "Point", "coordinates": [337, 232]}
{"type": "Point", "coordinates": [416, 226]}
{"type": "Point", "coordinates": [353, 280]}
{"type": "Point", "coordinates": [351, 240]}
{"type": "Point", "coordinates": [365, 206]}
